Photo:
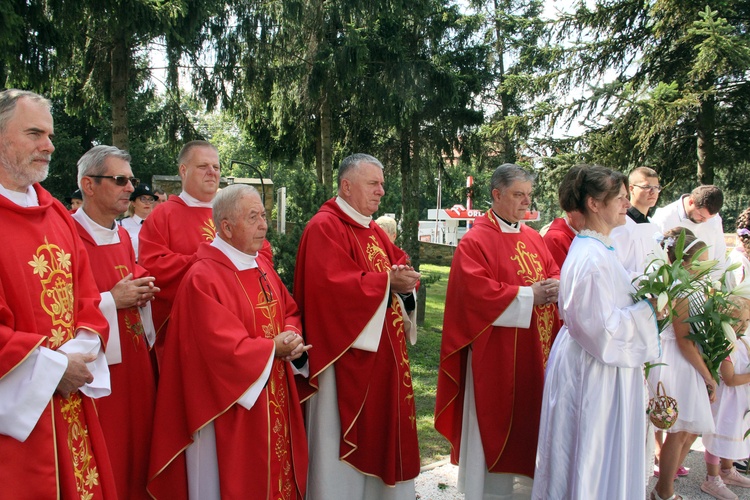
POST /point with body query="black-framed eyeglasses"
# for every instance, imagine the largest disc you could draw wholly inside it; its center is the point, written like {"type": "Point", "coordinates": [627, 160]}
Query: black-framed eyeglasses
{"type": "Point", "coordinates": [146, 199]}
{"type": "Point", "coordinates": [265, 286]}
{"type": "Point", "coordinates": [120, 180]}
{"type": "Point", "coordinates": [648, 187]}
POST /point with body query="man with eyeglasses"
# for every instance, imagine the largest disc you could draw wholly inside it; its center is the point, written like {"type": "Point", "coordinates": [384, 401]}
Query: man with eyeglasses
{"type": "Point", "coordinates": [699, 212]}
{"type": "Point", "coordinates": [635, 241]}
{"type": "Point", "coordinates": [52, 334]}
{"type": "Point", "coordinates": [228, 412]}
{"type": "Point", "coordinates": [106, 182]}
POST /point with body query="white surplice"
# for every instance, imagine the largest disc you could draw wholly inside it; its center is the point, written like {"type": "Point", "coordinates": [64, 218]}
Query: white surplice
{"type": "Point", "coordinates": [593, 426]}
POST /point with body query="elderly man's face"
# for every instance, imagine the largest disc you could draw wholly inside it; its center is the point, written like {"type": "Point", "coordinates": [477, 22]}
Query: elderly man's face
{"type": "Point", "coordinates": [362, 188]}
{"type": "Point", "coordinates": [26, 145]}
{"type": "Point", "coordinates": [512, 202]}
{"type": "Point", "coordinates": [108, 197]}
{"type": "Point", "coordinates": [247, 230]}
{"type": "Point", "coordinates": [200, 173]}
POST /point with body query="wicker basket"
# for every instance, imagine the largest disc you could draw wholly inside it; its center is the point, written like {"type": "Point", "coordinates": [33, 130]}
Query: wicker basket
{"type": "Point", "coordinates": [662, 410]}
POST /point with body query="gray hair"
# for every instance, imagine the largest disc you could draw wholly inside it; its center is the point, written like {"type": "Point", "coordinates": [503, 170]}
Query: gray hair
{"type": "Point", "coordinates": [387, 224]}
{"type": "Point", "coordinates": [228, 199]}
{"type": "Point", "coordinates": [92, 162]}
{"type": "Point", "coordinates": [8, 100]}
{"type": "Point", "coordinates": [506, 174]}
{"type": "Point", "coordinates": [353, 161]}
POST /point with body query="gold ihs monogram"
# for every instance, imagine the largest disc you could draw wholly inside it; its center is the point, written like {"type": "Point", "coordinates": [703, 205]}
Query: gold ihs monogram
{"type": "Point", "coordinates": [529, 266]}
{"type": "Point", "coordinates": [53, 266]}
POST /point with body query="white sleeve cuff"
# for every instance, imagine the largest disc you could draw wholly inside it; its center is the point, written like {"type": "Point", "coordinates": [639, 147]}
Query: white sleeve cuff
{"type": "Point", "coordinates": [108, 308]}
{"type": "Point", "coordinates": [26, 391]}
{"type": "Point", "coordinates": [369, 338]}
{"type": "Point", "coordinates": [85, 343]}
{"type": "Point", "coordinates": [248, 399]}
{"type": "Point", "coordinates": [518, 313]}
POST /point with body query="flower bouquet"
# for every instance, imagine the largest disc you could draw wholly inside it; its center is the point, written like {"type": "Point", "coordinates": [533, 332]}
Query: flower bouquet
{"type": "Point", "coordinates": [667, 281]}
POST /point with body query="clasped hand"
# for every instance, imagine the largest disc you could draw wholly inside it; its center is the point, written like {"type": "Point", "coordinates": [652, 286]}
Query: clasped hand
{"type": "Point", "coordinates": [129, 291]}
{"type": "Point", "coordinates": [403, 278]}
{"type": "Point", "coordinates": [545, 291]}
{"type": "Point", "coordinates": [290, 345]}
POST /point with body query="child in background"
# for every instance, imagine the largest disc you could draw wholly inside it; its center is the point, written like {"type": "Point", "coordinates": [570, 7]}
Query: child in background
{"type": "Point", "coordinates": [685, 376]}
{"type": "Point", "coordinates": [731, 414]}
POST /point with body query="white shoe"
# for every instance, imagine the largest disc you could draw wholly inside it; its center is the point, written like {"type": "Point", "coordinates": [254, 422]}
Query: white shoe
{"type": "Point", "coordinates": [714, 486]}
{"type": "Point", "coordinates": [732, 477]}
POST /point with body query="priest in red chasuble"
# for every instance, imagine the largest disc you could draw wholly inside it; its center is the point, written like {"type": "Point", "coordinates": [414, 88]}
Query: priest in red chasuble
{"type": "Point", "coordinates": [52, 334]}
{"type": "Point", "coordinates": [172, 233]}
{"type": "Point", "coordinates": [127, 415]}
{"type": "Point", "coordinates": [349, 282]}
{"type": "Point", "coordinates": [228, 418]}
{"type": "Point", "coordinates": [500, 321]}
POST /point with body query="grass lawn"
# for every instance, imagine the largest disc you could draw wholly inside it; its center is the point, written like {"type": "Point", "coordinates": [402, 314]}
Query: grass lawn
{"type": "Point", "coordinates": [425, 358]}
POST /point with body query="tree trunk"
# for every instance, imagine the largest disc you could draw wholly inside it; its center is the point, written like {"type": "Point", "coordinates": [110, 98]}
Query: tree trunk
{"type": "Point", "coordinates": [326, 147]}
{"type": "Point", "coordinates": [410, 160]}
{"type": "Point", "coordinates": [705, 140]}
{"type": "Point", "coordinates": [120, 69]}
{"type": "Point", "coordinates": [509, 152]}
{"type": "Point", "coordinates": [319, 154]}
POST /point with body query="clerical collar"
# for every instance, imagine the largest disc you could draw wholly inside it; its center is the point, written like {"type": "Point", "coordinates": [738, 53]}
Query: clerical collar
{"type": "Point", "coordinates": [507, 226]}
{"type": "Point", "coordinates": [637, 216]}
{"type": "Point", "coordinates": [27, 199]}
{"type": "Point", "coordinates": [194, 202]}
{"type": "Point", "coordinates": [363, 220]}
{"type": "Point", "coordinates": [241, 260]}
{"type": "Point", "coordinates": [101, 235]}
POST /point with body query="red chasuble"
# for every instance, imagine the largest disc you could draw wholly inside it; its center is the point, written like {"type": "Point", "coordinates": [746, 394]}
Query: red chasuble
{"type": "Point", "coordinates": [127, 414]}
{"type": "Point", "coordinates": [167, 245]}
{"type": "Point", "coordinates": [47, 293]}
{"type": "Point", "coordinates": [219, 342]}
{"type": "Point", "coordinates": [558, 238]}
{"type": "Point", "coordinates": [508, 363]}
{"type": "Point", "coordinates": [340, 281]}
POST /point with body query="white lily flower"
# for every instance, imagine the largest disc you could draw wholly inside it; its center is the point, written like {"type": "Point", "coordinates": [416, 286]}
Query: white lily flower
{"type": "Point", "coordinates": [742, 290]}
{"type": "Point", "coordinates": [662, 300]}
{"type": "Point", "coordinates": [729, 331]}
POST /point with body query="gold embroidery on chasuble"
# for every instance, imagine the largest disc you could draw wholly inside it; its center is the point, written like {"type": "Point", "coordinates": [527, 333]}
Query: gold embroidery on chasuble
{"type": "Point", "coordinates": [208, 231]}
{"type": "Point", "coordinates": [270, 322]}
{"type": "Point", "coordinates": [531, 271]}
{"type": "Point", "coordinates": [53, 266]}
{"type": "Point", "coordinates": [84, 468]}
{"type": "Point", "coordinates": [132, 318]}
{"type": "Point", "coordinates": [378, 261]}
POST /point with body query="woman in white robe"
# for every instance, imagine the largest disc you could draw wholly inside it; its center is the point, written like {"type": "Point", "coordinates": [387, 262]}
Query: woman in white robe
{"type": "Point", "coordinates": [593, 426]}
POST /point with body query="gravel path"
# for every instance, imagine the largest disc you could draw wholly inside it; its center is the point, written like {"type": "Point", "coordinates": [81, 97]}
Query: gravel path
{"type": "Point", "coordinates": [438, 481]}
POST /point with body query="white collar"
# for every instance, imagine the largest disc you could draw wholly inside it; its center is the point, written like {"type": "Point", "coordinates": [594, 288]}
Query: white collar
{"type": "Point", "coordinates": [362, 220]}
{"type": "Point", "coordinates": [136, 219]}
{"type": "Point", "coordinates": [100, 234]}
{"type": "Point", "coordinates": [681, 207]}
{"type": "Point", "coordinates": [606, 240]}
{"type": "Point", "coordinates": [241, 260]}
{"type": "Point", "coordinates": [571, 227]}
{"type": "Point", "coordinates": [194, 202]}
{"type": "Point", "coordinates": [504, 226]}
{"type": "Point", "coordinates": [27, 199]}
